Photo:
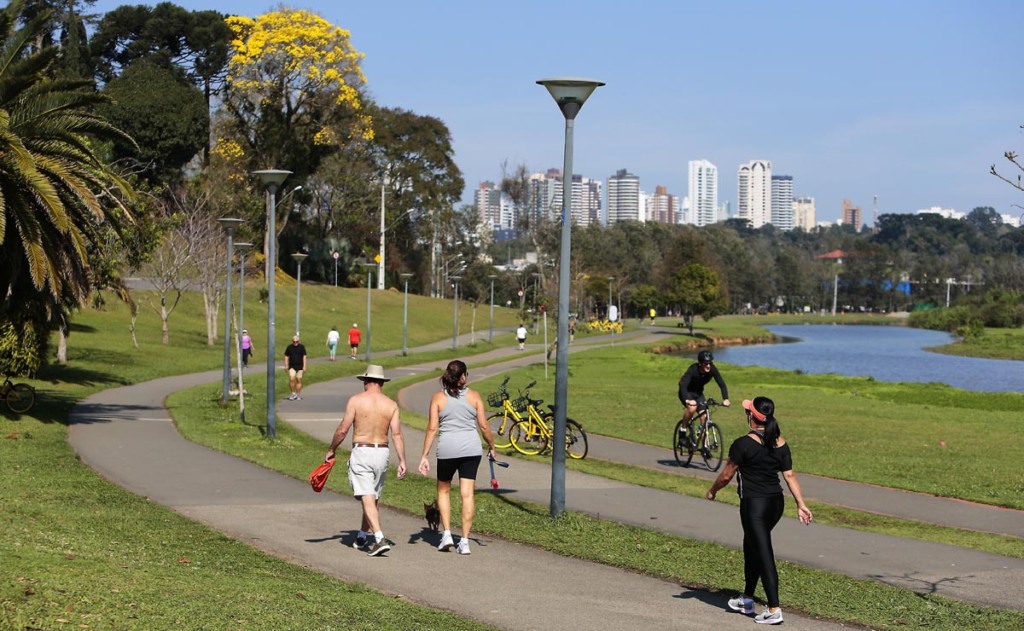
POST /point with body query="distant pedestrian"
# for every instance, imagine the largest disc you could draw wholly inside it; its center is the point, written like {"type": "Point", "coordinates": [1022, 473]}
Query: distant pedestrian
{"type": "Point", "coordinates": [521, 336]}
{"type": "Point", "coordinates": [295, 364]}
{"type": "Point", "coordinates": [458, 419]}
{"type": "Point", "coordinates": [759, 457]}
{"type": "Point", "coordinates": [246, 348]}
{"type": "Point", "coordinates": [372, 416]}
{"type": "Point", "coordinates": [654, 313]}
{"type": "Point", "coordinates": [354, 334]}
{"type": "Point", "coordinates": [572, 330]}
{"type": "Point", "coordinates": [333, 337]}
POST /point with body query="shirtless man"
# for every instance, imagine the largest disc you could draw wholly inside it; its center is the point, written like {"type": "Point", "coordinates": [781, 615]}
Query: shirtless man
{"type": "Point", "coordinates": [371, 415]}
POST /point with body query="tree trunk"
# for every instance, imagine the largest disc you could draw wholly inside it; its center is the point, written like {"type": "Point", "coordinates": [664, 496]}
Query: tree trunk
{"type": "Point", "coordinates": [62, 346]}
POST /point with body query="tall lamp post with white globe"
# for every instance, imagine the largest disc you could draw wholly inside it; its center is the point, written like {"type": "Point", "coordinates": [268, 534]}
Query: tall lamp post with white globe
{"type": "Point", "coordinates": [570, 94]}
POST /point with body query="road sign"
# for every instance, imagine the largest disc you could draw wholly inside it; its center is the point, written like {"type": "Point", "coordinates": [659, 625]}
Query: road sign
{"type": "Point", "coordinates": [336, 255]}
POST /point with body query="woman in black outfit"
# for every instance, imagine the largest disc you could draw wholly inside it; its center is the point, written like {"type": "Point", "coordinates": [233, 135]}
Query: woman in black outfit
{"type": "Point", "coordinates": [759, 456]}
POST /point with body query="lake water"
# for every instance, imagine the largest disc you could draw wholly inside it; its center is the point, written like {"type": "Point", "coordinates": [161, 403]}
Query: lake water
{"type": "Point", "coordinates": [887, 353]}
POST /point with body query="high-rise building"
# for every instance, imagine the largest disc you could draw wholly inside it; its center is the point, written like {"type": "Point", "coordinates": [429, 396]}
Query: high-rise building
{"type": "Point", "coordinates": [623, 197]}
{"type": "Point", "coordinates": [544, 197]}
{"type": "Point", "coordinates": [782, 202]}
{"type": "Point", "coordinates": [662, 207]}
{"type": "Point", "coordinates": [852, 215]}
{"type": "Point", "coordinates": [490, 206]}
{"type": "Point", "coordinates": [803, 213]}
{"type": "Point", "coordinates": [703, 192]}
{"type": "Point", "coordinates": [755, 192]}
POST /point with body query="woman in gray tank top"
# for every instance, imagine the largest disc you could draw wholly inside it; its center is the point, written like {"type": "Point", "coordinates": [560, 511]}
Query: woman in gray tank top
{"type": "Point", "coordinates": [457, 419]}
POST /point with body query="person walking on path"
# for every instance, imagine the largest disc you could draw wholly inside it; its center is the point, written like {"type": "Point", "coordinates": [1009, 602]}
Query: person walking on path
{"type": "Point", "coordinates": [759, 457]}
{"type": "Point", "coordinates": [521, 336]}
{"type": "Point", "coordinates": [246, 348]}
{"type": "Point", "coordinates": [333, 337]}
{"type": "Point", "coordinates": [456, 416]}
{"type": "Point", "coordinates": [372, 416]}
{"type": "Point", "coordinates": [354, 334]}
{"type": "Point", "coordinates": [295, 364]}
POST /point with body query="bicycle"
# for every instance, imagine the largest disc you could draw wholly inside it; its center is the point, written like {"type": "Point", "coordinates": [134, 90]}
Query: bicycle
{"type": "Point", "coordinates": [534, 434]}
{"type": "Point", "coordinates": [501, 422]}
{"type": "Point", "coordinates": [19, 397]}
{"type": "Point", "coordinates": [702, 435]}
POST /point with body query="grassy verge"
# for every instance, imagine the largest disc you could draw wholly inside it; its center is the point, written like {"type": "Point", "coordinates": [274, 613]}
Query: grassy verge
{"type": "Point", "coordinates": [79, 552]}
{"type": "Point", "coordinates": [928, 438]}
{"type": "Point", "coordinates": [692, 563]}
{"type": "Point", "coordinates": [994, 344]}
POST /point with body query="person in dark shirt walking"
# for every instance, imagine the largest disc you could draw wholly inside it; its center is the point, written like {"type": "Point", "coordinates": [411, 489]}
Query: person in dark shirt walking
{"type": "Point", "coordinates": [759, 457]}
{"type": "Point", "coordinates": [295, 364]}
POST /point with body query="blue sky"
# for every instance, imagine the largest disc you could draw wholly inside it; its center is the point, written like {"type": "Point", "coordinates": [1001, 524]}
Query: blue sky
{"type": "Point", "coordinates": [910, 101]}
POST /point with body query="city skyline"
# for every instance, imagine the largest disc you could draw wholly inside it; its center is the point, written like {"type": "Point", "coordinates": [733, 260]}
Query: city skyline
{"type": "Point", "coordinates": [909, 103]}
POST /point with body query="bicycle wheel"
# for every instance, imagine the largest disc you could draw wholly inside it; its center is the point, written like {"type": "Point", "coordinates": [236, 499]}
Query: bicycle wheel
{"type": "Point", "coordinates": [527, 438]}
{"type": "Point", "coordinates": [500, 430]}
{"type": "Point", "coordinates": [681, 444]}
{"type": "Point", "coordinates": [21, 398]}
{"type": "Point", "coordinates": [713, 447]}
{"type": "Point", "coordinates": [575, 440]}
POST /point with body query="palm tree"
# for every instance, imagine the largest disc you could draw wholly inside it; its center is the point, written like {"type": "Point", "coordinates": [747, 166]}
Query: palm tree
{"type": "Point", "coordinates": [56, 194]}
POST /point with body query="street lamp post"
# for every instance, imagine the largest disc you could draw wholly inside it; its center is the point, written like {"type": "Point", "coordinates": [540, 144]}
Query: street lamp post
{"type": "Point", "coordinates": [570, 95]}
{"type": "Point", "coordinates": [299, 257]}
{"type": "Point", "coordinates": [369, 322]}
{"type": "Point", "coordinates": [271, 180]}
{"type": "Point", "coordinates": [242, 248]}
{"type": "Point", "coordinates": [535, 277]}
{"type": "Point", "coordinates": [380, 268]}
{"type": "Point", "coordinates": [335, 255]}
{"type": "Point", "coordinates": [490, 337]}
{"type": "Point", "coordinates": [230, 225]}
{"type": "Point", "coordinates": [835, 285]}
{"type": "Point", "coordinates": [405, 314]}
{"type": "Point", "coordinates": [610, 279]}
{"type": "Point", "coordinates": [455, 314]}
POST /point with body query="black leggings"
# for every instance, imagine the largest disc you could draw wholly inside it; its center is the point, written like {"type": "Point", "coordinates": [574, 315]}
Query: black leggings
{"type": "Point", "coordinates": [758, 515]}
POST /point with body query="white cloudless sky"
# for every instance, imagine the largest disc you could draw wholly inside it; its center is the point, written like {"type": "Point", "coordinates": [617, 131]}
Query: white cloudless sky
{"type": "Point", "coordinates": [911, 100]}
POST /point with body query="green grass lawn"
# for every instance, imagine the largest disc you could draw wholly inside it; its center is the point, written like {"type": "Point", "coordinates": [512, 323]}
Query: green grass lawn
{"type": "Point", "coordinates": [80, 552]}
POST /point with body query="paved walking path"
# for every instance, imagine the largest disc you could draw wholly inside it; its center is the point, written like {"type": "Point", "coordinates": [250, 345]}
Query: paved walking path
{"type": "Point", "coordinates": [126, 435]}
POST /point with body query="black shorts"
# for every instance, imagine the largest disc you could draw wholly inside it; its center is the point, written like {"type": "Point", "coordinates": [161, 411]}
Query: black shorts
{"type": "Point", "coordinates": [692, 396]}
{"type": "Point", "coordinates": [466, 466]}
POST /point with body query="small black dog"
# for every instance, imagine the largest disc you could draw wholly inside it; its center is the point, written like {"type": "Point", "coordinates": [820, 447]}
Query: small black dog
{"type": "Point", "coordinates": [432, 515]}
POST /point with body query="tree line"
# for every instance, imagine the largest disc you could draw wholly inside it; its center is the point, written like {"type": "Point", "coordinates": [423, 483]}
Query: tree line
{"type": "Point", "coordinates": [126, 135]}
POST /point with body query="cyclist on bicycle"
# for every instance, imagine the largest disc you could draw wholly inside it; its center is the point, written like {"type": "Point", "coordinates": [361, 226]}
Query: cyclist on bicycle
{"type": "Point", "coordinates": [691, 385]}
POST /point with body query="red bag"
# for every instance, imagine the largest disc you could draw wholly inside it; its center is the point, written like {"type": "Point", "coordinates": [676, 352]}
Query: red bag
{"type": "Point", "coordinates": [318, 478]}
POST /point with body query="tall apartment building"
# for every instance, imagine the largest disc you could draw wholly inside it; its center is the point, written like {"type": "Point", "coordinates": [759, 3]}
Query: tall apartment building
{"type": "Point", "coordinates": [494, 210]}
{"type": "Point", "coordinates": [803, 213]}
{"type": "Point", "coordinates": [703, 191]}
{"type": "Point", "coordinates": [544, 197]}
{"type": "Point", "coordinates": [662, 207]}
{"type": "Point", "coordinates": [623, 197]}
{"type": "Point", "coordinates": [782, 202]}
{"type": "Point", "coordinates": [754, 192]}
{"type": "Point", "coordinates": [852, 215]}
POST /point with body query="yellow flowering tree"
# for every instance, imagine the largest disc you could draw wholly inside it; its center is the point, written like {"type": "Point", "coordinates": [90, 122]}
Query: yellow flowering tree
{"type": "Point", "coordinates": [293, 97]}
{"type": "Point", "coordinates": [292, 77]}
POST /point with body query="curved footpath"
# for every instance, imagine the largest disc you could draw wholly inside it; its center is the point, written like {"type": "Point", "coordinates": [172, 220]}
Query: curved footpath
{"type": "Point", "coordinates": [127, 436]}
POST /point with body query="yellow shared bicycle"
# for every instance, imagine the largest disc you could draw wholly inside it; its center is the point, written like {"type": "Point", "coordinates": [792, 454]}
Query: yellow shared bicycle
{"type": "Point", "coordinates": [523, 426]}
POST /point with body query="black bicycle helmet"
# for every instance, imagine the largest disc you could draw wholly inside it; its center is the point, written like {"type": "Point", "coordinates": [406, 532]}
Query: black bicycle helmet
{"type": "Point", "coordinates": [705, 356]}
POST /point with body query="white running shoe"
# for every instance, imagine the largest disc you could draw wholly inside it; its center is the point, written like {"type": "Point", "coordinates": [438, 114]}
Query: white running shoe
{"type": "Point", "coordinates": [463, 546]}
{"type": "Point", "coordinates": [742, 604]}
{"type": "Point", "coordinates": [767, 617]}
{"type": "Point", "coordinates": [446, 543]}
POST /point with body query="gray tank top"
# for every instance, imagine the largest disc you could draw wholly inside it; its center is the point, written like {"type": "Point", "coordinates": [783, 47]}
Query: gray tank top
{"type": "Point", "coordinates": [457, 435]}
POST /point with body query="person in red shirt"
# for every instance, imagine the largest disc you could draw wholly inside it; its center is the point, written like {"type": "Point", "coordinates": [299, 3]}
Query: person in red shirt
{"type": "Point", "coordinates": [354, 335]}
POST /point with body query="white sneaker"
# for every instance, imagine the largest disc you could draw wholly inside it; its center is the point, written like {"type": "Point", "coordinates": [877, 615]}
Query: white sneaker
{"type": "Point", "coordinates": [463, 546]}
{"type": "Point", "coordinates": [446, 543]}
{"type": "Point", "coordinates": [766, 617]}
{"type": "Point", "coordinates": [742, 604]}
